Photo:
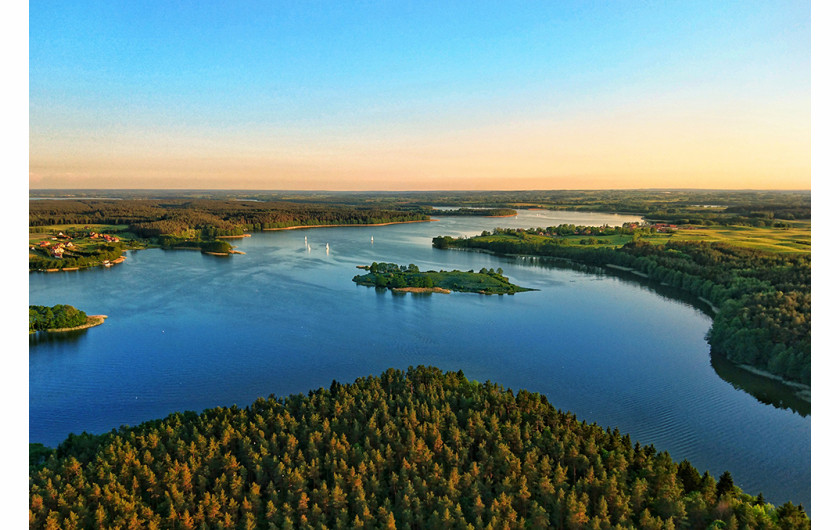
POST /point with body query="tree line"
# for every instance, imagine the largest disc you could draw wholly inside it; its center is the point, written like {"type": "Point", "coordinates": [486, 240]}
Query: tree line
{"type": "Point", "coordinates": [763, 299]}
{"type": "Point", "coordinates": [209, 217]}
{"type": "Point", "coordinates": [413, 449]}
{"type": "Point", "coordinates": [42, 318]}
{"type": "Point", "coordinates": [487, 212]}
{"type": "Point", "coordinates": [260, 210]}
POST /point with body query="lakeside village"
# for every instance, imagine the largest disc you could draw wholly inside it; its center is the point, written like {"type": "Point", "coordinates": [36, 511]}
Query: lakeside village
{"type": "Point", "coordinates": [62, 246]}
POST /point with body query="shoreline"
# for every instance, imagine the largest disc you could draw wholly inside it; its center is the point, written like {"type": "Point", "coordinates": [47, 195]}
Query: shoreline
{"type": "Point", "coordinates": [803, 391]}
{"type": "Point", "coordinates": [420, 290]}
{"type": "Point", "coordinates": [228, 253]}
{"type": "Point", "coordinates": [106, 263]}
{"type": "Point", "coordinates": [715, 309]}
{"type": "Point", "coordinates": [92, 320]}
{"type": "Point", "coordinates": [628, 269]}
{"type": "Point", "coordinates": [233, 237]}
{"type": "Point", "coordinates": [345, 225]}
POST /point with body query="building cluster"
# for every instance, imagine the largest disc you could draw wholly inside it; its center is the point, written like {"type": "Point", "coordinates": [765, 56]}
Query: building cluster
{"type": "Point", "coordinates": [57, 249]}
{"type": "Point", "coordinates": [105, 237]}
{"type": "Point", "coordinates": [61, 243]}
{"type": "Point", "coordinates": [662, 227]}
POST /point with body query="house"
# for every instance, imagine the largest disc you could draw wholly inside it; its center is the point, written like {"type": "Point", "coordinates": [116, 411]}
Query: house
{"type": "Point", "coordinates": [662, 227]}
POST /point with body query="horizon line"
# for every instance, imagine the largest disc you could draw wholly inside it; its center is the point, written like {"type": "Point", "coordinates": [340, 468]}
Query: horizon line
{"type": "Point", "coordinates": [412, 190]}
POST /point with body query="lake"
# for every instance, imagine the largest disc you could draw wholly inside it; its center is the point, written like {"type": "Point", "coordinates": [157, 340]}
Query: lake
{"type": "Point", "coordinates": [188, 331]}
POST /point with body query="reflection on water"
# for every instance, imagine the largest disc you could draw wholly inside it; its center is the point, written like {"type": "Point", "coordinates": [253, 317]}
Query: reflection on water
{"type": "Point", "coordinates": [44, 338]}
{"type": "Point", "coordinates": [764, 389]}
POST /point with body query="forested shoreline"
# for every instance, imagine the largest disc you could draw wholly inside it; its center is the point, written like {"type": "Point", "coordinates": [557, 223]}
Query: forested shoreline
{"type": "Point", "coordinates": [485, 212]}
{"type": "Point", "coordinates": [763, 299]}
{"type": "Point", "coordinates": [210, 218]}
{"type": "Point", "coordinates": [414, 449]}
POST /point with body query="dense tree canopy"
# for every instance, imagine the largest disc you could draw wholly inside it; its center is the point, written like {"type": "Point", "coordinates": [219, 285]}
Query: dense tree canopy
{"type": "Point", "coordinates": [415, 449]}
{"type": "Point", "coordinates": [210, 217]}
{"type": "Point", "coordinates": [487, 212]}
{"type": "Point", "coordinates": [59, 316]}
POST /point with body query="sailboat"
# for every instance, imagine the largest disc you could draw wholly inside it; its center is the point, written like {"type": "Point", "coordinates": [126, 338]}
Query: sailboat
{"type": "Point", "coordinates": [371, 239]}
{"type": "Point", "coordinates": [328, 248]}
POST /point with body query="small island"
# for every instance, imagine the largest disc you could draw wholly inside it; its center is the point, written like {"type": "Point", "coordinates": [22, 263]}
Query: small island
{"type": "Point", "coordinates": [401, 278]}
{"type": "Point", "coordinates": [60, 318]}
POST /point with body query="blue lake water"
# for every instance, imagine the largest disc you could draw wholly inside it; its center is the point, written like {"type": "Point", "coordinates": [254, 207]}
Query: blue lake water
{"type": "Point", "coordinates": [188, 331]}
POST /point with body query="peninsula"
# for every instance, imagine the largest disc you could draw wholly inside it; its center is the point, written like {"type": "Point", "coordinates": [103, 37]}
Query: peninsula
{"type": "Point", "coordinates": [401, 278]}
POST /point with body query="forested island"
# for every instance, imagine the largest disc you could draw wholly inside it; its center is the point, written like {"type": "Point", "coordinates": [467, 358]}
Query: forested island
{"type": "Point", "coordinates": [414, 449]}
{"type": "Point", "coordinates": [761, 300]}
{"type": "Point", "coordinates": [60, 317]}
{"type": "Point", "coordinates": [410, 278]}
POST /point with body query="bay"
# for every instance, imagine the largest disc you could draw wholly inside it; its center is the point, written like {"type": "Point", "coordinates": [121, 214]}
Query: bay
{"type": "Point", "coordinates": [188, 331]}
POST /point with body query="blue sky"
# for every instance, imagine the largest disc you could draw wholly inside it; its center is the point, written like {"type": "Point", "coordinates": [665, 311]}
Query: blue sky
{"type": "Point", "coordinates": [385, 95]}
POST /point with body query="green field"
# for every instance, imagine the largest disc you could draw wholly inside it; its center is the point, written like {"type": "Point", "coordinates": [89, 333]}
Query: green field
{"type": "Point", "coordinates": [795, 239]}
{"type": "Point", "coordinates": [42, 233]}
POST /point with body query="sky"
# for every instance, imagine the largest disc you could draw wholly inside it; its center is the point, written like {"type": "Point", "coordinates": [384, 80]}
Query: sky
{"type": "Point", "coordinates": [400, 95]}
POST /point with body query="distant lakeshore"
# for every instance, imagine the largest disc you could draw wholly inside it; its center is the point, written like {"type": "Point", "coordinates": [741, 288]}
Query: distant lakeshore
{"type": "Point", "coordinates": [348, 225]}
